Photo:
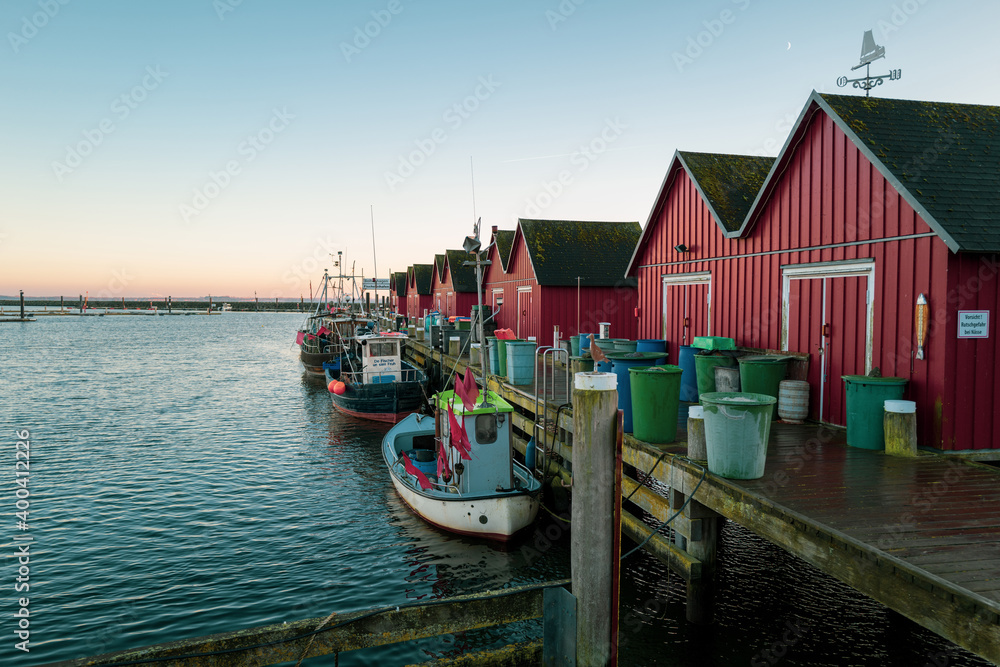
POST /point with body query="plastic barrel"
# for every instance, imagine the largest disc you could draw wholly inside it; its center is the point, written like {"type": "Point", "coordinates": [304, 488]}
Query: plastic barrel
{"type": "Point", "coordinates": [689, 380]}
{"type": "Point", "coordinates": [621, 362]}
{"type": "Point", "coordinates": [574, 343]}
{"type": "Point", "coordinates": [492, 355]}
{"type": "Point", "coordinates": [705, 367]}
{"type": "Point", "coordinates": [625, 345]}
{"type": "Point", "coordinates": [656, 395]}
{"type": "Point", "coordinates": [651, 345]}
{"type": "Point", "coordinates": [737, 426]}
{"type": "Point", "coordinates": [501, 369]}
{"type": "Point", "coordinates": [763, 375]}
{"type": "Point", "coordinates": [865, 399]}
{"type": "Point", "coordinates": [521, 361]}
{"type": "Point", "coordinates": [581, 365]}
{"type": "Point", "coordinates": [584, 342]}
{"type": "Point", "coordinates": [606, 344]}
{"type": "Point", "coordinates": [727, 378]}
{"type": "Point", "coordinates": [793, 400]}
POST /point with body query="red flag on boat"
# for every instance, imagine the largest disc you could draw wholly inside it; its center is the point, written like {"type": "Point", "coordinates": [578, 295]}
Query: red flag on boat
{"type": "Point", "coordinates": [309, 336]}
{"type": "Point", "coordinates": [412, 469]}
{"type": "Point", "coordinates": [471, 388]}
{"type": "Point", "coordinates": [444, 471]}
{"type": "Point", "coordinates": [322, 330]}
{"type": "Point", "coordinates": [467, 389]}
{"type": "Point", "coordinates": [299, 337]}
{"type": "Point", "coordinates": [459, 440]}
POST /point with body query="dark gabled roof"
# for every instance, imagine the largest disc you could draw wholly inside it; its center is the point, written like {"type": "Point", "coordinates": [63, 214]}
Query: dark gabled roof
{"type": "Point", "coordinates": [398, 283]}
{"type": "Point", "coordinates": [563, 250]}
{"type": "Point", "coordinates": [505, 241]}
{"type": "Point", "coordinates": [943, 159]}
{"type": "Point", "coordinates": [422, 275]}
{"type": "Point", "coordinates": [463, 278]}
{"type": "Point", "coordinates": [439, 265]}
{"type": "Point", "coordinates": [728, 183]}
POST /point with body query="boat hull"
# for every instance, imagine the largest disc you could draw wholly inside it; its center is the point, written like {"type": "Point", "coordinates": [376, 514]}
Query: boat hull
{"type": "Point", "coordinates": [312, 362]}
{"type": "Point", "coordinates": [388, 402]}
{"type": "Point", "coordinates": [504, 515]}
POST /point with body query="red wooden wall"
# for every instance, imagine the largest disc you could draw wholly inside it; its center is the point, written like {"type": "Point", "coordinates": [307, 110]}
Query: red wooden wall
{"type": "Point", "coordinates": [829, 204]}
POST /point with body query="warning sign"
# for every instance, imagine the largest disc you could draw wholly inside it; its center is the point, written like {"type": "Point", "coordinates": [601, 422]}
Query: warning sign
{"type": "Point", "coordinates": [973, 324]}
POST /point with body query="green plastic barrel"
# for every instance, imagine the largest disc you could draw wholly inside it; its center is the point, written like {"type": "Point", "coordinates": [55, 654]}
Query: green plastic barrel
{"type": "Point", "coordinates": [581, 364]}
{"type": "Point", "coordinates": [865, 414]}
{"type": "Point", "coordinates": [574, 345]}
{"type": "Point", "coordinates": [705, 368]}
{"type": "Point", "coordinates": [521, 361]}
{"type": "Point", "coordinates": [625, 345]}
{"type": "Point", "coordinates": [762, 374]}
{"type": "Point", "coordinates": [656, 395]}
{"type": "Point", "coordinates": [737, 426]}
{"type": "Point", "coordinates": [502, 356]}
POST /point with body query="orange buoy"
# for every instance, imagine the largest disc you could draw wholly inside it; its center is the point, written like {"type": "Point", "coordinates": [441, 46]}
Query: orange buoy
{"type": "Point", "coordinates": [339, 388]}
{"type": "Point", "coordinates": [331, 385]}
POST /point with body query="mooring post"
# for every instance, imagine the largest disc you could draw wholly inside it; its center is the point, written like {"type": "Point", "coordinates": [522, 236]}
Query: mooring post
{"type": "Point", "coordinates": [593, 557]}
{"type": "Point", "coordinates": [22, 304]}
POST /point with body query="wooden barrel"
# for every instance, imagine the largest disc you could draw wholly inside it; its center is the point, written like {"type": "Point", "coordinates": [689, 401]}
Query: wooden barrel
{"type": "Point", "coordinates": [793, 400]}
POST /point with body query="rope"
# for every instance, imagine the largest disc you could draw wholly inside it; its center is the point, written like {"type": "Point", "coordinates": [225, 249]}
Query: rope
{"type": "Point", "coordinates": [646, 476]}
{"type": "Point", "coordinates": [673, 516]}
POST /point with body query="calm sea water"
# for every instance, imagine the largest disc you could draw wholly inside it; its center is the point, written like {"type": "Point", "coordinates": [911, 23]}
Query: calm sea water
{"type": "Point", "coordinates": [186, 479]}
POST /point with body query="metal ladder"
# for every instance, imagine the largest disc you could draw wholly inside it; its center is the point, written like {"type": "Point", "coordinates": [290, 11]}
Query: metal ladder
{"type": "Point", "coordinates": [549, 355]}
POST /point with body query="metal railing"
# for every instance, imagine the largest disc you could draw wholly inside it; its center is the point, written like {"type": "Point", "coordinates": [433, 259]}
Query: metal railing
{"type": "Point", "coordinates": [544, 397]}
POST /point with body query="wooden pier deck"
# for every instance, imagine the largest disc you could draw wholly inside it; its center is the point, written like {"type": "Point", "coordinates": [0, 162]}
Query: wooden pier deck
{"type": "Point", "coordinates": [919, 535]}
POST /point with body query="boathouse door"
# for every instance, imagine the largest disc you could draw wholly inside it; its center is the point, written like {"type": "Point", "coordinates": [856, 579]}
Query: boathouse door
{"type": "Point", "coordinates": [687, 309]}
{"type": "Point", "coordinates": [828, 314]}
{"type": "Point", "coordinates": [523, 312]}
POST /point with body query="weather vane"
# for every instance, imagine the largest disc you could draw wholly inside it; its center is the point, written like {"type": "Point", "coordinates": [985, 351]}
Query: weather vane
{"type": "Point", "coordinates": [870, 52]}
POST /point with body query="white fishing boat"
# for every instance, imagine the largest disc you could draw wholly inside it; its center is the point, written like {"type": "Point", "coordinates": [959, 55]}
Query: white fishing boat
{"type": "Point", "coordinates": [484, 492]}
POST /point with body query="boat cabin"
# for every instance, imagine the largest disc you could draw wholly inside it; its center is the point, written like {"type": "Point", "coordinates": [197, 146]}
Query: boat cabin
{"type": "Point", "coordinates": [488, 428]}
{"type": "Point", "coordinates": [380, 359]}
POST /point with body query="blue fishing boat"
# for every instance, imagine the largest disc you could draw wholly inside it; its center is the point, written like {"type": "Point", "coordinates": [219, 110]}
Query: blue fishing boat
{"type": "Point", "coordinates": [373, 382]}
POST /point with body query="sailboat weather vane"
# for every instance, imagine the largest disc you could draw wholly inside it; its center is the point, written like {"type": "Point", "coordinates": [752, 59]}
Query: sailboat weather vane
{"type": "Point", "coordinates": [870, 52]}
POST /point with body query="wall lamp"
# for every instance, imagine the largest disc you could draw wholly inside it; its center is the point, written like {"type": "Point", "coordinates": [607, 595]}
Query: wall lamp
{"type": "Point", "coordinates": [681, 248]}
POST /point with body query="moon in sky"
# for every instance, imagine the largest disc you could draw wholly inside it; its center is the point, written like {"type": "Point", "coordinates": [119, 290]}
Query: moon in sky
{"type": "Point", "coordinates": [789, 47]}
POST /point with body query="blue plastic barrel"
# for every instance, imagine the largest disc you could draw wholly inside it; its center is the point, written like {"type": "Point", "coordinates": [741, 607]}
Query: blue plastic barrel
{"type": "Point", "coordinates": [493, 367]}
{"type": "Point", "coordinates": [689, 378]}
{"type": "Point", "coordinates": [651, 345]}
{"type": "Point", "coordinates": [584, 342]}
{"type": "Point", "coordinates": [521, 361]}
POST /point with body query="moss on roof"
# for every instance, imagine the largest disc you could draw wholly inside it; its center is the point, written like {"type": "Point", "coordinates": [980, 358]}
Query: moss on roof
{"type": "Point", "coordinates": [398, 283]}
{"type": "Point", "coordinates": [946, 156]}
{"type": "Point", "coordinates": [422, 275]}
{"type": "Point", "coordinates": [596, 252]}
{"type": "Point", "coordinates": [463, 278]}
{"type": "Point", "coordinates": [439, 265]}
{"type": "Point", "coordinates": [504, 241]}
{"type": "Point", "coordinates": [728, 183]}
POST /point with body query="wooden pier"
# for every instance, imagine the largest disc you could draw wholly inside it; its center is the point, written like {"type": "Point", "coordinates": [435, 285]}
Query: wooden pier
{"type": "Point", "coordinates": [919, 535]}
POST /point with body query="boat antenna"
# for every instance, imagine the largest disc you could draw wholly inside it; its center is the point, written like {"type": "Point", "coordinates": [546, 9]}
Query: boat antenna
{"type": "Point", "coordinates": [472, 174]}
{"type": "Point", "coordinates": [374, 256]}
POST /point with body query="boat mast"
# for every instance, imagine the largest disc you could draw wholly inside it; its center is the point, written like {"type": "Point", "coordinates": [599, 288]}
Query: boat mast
{"type": "Point", "coordinates": [374, 257]}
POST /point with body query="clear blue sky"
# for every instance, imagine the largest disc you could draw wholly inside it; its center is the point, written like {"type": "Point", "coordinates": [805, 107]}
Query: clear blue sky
{"type": "Point", "coordinates": [193, 147]}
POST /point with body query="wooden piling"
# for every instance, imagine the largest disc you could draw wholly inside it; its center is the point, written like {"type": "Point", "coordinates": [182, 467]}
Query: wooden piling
{"type": "Point", "coordinates": [900, 426]}
{"type": "Point", "coordinates": [592, 558]}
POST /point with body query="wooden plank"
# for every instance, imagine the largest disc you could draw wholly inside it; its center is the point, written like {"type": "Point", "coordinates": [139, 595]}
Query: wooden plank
{"type": "Point", "coordinates": [514, 655]}
{"type": "Point", "coordinates": [344, 632]}
{"type": "Point", "coordinates": [670, 554]}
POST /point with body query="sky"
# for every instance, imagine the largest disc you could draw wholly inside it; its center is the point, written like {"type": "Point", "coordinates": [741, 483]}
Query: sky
{"type": "Point", "coordinates": [229, 147]}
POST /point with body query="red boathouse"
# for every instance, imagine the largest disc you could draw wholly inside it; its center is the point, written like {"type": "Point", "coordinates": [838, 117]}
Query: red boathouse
{"type": "Point", "coordinates": [563, 272]}
{"type": "Point", "coordinates": [418, 290]}
{"type": "Point", "coordinates": [870, 204]}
